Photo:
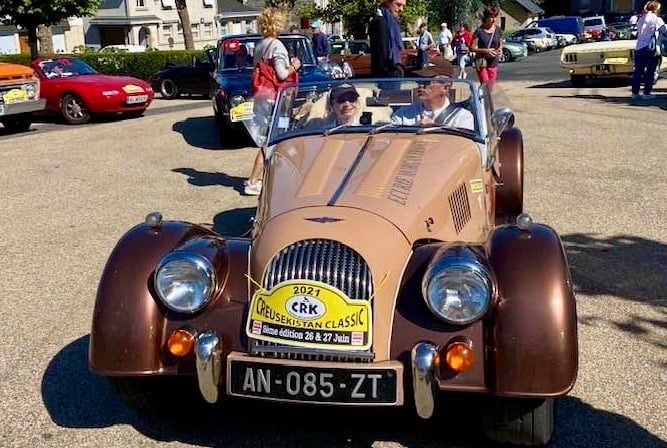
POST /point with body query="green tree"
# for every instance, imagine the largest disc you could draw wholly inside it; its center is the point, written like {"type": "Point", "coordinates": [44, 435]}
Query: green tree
{"type": "Point", "coordinates": [184, 17]}
{"type": "Point", "coordinates": [29, 14]}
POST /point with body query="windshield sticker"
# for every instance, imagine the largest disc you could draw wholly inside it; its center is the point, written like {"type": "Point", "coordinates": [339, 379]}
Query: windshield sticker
{"type": "Point", "coordinates": [306, 313]}
{"type": "Point", "coordinates": [404, 179]}
{"type": "Point", "coordinates": [283, 122]}
{"type": "Point", "coordinates": [476, 185]}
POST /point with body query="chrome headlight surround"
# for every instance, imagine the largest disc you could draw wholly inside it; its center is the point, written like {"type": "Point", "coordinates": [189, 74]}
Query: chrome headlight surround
{"type": "Point", "coordinates": [348, 71]}
{"type": "Point", "coordinates": [457, 287]}
{"type": "Point", "coordinates": [31, 90]}
{"type": "Point", "coordinates": [236, 100]}
{"type": "Point", "coordinates": [184, 281]}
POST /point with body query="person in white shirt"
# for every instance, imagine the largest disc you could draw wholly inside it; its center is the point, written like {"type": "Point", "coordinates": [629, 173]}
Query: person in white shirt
{"type": "Point", "coordinates": [425, 42]}
{"type": "Point", "coordinates": [633, 19]}
{"type": "Point", "coordinates": [649, 28]}
{"type": "Point", "coordinates": [445, 41]}
{"type": "Point", "coordinates": [434, 107]}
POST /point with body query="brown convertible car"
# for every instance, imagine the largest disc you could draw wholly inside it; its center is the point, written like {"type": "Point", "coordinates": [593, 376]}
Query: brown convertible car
{"type": "Point", "coordinates": [389, 262]}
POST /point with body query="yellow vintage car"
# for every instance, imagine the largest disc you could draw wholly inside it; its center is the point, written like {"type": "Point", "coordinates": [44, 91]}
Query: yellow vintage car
{"type": "Point", "coordinates": [602, 59]}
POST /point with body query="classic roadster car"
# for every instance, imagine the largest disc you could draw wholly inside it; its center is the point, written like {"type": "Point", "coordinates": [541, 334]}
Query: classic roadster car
{"type": "Point", "coordinates": [389, 262]}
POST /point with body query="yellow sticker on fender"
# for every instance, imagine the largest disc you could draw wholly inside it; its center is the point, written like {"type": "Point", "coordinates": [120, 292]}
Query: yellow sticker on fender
{"type": "Point", "coordinates": [15, 96]}
{"type": "Point", "coordinates": [307, 313]}
{"type": "Point", "coordinates": [243, 111]}
{"type": "Point", "coordinates": [131, 88]}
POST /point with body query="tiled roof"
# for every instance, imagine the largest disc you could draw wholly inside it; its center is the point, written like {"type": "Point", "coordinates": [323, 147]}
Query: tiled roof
{"type": "Point", "coordinates": [232, 6]}
{"type": "Point", "coordinates": [530, 6]}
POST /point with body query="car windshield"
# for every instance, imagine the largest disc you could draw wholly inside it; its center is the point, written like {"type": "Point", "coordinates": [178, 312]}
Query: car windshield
{"type": "Point", "coordinates": [438, 104]}
{"type": "Point", "coordinates": [65, 67]}
{"type": "Point", "coordinates": [593, 22]}
{"type": "Point", "coordinates": [239, 52]}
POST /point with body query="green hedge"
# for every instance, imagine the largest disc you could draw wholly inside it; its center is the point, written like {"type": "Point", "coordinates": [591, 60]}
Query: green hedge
{"type": "Point", "coordinates": [139, 65]}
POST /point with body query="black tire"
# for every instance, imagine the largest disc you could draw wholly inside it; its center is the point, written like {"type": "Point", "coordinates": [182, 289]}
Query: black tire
{"type": "Point", "coordinates": [229, 135]}
{"type": "Point", "coordinates": [507, 55]}
{"type": "Point", "coordinates": [578, 80]}
{"type": "Point", "coordinates": [74, 110]}
{"type": "Point", "coordinates": [169, 89]}
{"type": "Point", "coordinates": [519, 421]}
{"type": "Point", "coordinates": [155, 395]}
{"type": "Point", "coordinates": [17, 123]}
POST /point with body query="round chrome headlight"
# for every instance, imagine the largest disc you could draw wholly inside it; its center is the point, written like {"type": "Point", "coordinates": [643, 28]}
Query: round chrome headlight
{"type": "Point", "coordinates": [185, 281]}
{"type": "Point", "coordinates": [347, 70]}
{"type": "Point", "coordinates": [457, 287]}
{"type": "Point", "coordinates": [31, 90]}
{"type": "Point", "coordinates": [336, 72]}
{"type": "Point", "coordinates": [236, 100]}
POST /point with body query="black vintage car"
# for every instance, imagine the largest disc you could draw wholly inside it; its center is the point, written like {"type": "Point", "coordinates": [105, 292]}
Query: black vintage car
{"type": "Point", "coordinates": [193, 78]}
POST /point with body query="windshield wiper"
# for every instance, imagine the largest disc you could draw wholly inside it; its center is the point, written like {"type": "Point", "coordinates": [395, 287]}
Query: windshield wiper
{"type": "Point", "coordinates": [382, 128]}
{"type": "Point", "coordinates": [336, 128]}
{"type": "Point", "coordinates": [457, 131]}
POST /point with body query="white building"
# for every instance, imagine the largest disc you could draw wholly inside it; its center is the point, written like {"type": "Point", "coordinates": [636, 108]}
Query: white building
{"type": "Point", "coordinates": [66, 36]}
{"type": "Point", "coordinates": [236, 18]}
{"type": "Point", "coordinates": [151, 23]}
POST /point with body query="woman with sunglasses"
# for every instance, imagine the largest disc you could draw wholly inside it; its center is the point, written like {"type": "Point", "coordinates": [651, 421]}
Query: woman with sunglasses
{"type": "Point", "coordinates": [343, 106]}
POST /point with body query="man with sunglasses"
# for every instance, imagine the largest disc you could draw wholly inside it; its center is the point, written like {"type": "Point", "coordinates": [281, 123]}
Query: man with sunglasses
{"type": "Point", "coordinates": [433, 106]}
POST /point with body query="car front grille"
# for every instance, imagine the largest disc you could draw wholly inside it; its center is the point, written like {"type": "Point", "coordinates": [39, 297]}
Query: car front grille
{"type": "Point", "coordinates": [326, 261]}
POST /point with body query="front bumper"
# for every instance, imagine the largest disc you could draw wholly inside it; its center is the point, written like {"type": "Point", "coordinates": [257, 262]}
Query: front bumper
{"type": "Point", "coordinates": [600, 70]}
{"type": "Point", "coordinates": [23, 107]}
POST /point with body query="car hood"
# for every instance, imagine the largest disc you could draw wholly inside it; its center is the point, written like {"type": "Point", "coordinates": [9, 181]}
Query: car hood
{"type": "Point", "coordinates": [601, 46]}
{"type": "Point", "coordinates": [419, 184]}
{"type": "Point", "coordinates": [104, 81]}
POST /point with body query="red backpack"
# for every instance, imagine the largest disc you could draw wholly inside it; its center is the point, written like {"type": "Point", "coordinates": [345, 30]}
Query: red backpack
{"type": "Point", "coordinates": [264, 81]}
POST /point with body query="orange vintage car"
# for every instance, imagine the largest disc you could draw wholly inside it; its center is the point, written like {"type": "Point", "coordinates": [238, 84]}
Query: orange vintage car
{"type": "Point", "coordinates": [19, 97]}
{"type": "Point", "coordinates": [389, 262]}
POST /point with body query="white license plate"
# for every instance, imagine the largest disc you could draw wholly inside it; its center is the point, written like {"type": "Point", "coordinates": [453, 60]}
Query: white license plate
{"type": "Point", "coordinates": [138, 99]}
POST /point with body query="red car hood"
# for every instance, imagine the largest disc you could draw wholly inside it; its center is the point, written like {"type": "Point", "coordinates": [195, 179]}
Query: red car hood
{"type": "Point", "coordinates": [106, 81]}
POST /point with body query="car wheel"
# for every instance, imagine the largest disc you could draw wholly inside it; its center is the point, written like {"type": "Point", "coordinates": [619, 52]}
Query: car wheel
{"type": "Point", "coordinates": [74, 110]}
{"type": "Point", "coordinates": [578, 80]}
{"type": "Point", "coordinates": [519, 421]}
{"type": "Point", "coordinates": [169, 89]}
{"type": "Point", "coordinates": [507, 55]}
{"type": "Point", "coordinates": [17, 123]}
{"type": "Point", "coordinates": [155, 395]}
{"type": "Point", "coordinates": [229, 135]}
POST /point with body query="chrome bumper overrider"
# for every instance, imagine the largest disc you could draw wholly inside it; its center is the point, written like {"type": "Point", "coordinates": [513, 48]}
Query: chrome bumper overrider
{"type": "Point", "coordinates": [423, 367]}
{"type": "Point", "coordinates": [208, 351]}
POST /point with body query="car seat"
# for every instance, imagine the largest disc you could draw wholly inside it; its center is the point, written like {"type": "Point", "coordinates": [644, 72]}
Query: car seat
{"type": "Point", "coordinates": [319, 112]}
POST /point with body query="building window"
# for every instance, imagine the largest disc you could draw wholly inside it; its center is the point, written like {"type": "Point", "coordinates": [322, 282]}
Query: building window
{"type": "Point", "coordinates": [179, 29]}
{"type": "Point", "coordinates": [208, 30]}
{"type": "Point", "coordinates": [224, 30]}
{"type": "Point", "coordinates": [167, 31]}
{"type": "Point", "coordinates": [141, 3]}
{"type": "Point", "coordinates": [208, 3]}
{"type": "Point", "coordinates": [195, 31]}
{"type": "Point", "coordinates": [168, 4]}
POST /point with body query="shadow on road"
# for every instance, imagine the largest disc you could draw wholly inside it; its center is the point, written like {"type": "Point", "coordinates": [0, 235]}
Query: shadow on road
{"type": "Point", "coordinates": [237, 222]}
{"type": "Point", "coordinates": [659, 101]}
{"type": "Point", "coordinates": [203, 132]}
{"type": "Point", "coordinates": [591, 83]}
{"type": "Point", "coordinates": [76, 398]}
{"type": "Point", "coordinates": [207, 179]}
{"type": "Point", "coordinates": [626, 266]}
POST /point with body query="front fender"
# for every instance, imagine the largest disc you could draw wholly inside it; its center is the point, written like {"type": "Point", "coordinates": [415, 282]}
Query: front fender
{"type": "Point", "coordinates": [534, 331]}
{"type": "Point", "coordinates": [130, 325]}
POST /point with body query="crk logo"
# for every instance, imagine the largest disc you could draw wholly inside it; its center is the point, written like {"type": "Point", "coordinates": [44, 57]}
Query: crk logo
{"type": "Point", "coordinates": [305, 307]}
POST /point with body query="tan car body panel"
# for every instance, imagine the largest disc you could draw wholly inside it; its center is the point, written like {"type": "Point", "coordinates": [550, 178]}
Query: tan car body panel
{"type": "Point", "coordinates": [616, 54]}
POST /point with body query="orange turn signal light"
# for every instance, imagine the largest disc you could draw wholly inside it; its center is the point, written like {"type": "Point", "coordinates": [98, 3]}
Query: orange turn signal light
{"type": "Point", "coordinates": [180, 342]}
{"type": "Point", "coordinates": [459, 356]}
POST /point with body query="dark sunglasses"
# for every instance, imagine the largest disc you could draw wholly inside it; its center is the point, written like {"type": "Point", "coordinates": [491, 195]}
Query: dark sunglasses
{"type": "Point", "coordinates": [350, 96]}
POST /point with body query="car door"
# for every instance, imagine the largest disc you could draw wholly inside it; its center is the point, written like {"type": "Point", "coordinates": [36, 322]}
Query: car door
{"type": "Point", "coordinates": [200, 76]}
{"type": "Point", "coordinates": [49, 89]}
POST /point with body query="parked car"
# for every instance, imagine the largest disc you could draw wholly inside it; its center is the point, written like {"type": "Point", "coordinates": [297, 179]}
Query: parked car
{"type": "Point", "coordinates": [537, 39]}
{"type": "Point", "coordinates": [620, 31]}
{"type": "Point", "coordinates": [357, 53]}
{"type": "Point", "coordinates": [563, 25]}
{"type": "Point", "coordinates": [231, 80]}
{"type": "Point", "coordinates": [514, 50]}
{"type": "Point", "coordinates": [178, 79]}
{"type": "Point", "coordinates": [566, 39]}
{"type": "Point", "coordinates": [606, 59]}
{"type": "Point", "coordinates": [19, 97]}
{"type": "Point", "coordinates": [595, 27]}
{"type": "Point", "coordinates": [389, 265]}
{"type": "Point", "coordinates": [76, 91]}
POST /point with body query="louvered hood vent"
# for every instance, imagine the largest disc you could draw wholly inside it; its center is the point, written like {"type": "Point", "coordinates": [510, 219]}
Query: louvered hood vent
{"type": "Point", "coordinates": [460, 208]}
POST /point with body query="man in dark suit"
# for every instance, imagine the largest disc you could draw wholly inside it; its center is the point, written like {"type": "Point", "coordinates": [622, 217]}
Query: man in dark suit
{"type": "Point", "coordinates": [386, 42]}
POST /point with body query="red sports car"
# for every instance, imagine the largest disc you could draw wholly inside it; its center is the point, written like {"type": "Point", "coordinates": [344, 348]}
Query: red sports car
{"type": "Point", "coordinates": [74, 89]}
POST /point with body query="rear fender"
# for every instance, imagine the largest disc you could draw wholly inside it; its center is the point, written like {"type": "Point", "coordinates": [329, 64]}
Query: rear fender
{"type": "Point", "coordinates": [534, 332]}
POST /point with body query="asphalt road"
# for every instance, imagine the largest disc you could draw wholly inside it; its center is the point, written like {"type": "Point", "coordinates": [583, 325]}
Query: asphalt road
{"type": "Point", "coordinates": [595, 171]}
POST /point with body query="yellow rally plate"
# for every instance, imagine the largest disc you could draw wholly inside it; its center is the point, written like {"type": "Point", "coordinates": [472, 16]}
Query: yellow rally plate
{"type": "Point", "coordinates": [305, 313]}
{"type": "Point", "coordinates": [15, 96]}
{"type": "Point", "coordinates": [243, 111]}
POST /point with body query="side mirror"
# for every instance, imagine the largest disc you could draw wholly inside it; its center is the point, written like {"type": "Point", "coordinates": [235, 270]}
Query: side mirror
{"type": "Point", "coordinates": [502, 119]}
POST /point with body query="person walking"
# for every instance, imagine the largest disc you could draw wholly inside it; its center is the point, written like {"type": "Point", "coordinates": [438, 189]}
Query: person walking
{"type": "Point", "coordinates": [425, 43]}
{"type": "Point", "coordinates": [647, 51]}
{"type": "Point", "coordinates": [487, 44]}
{"type": "Point", "coordinates": [385, 40]}
{"type": "Point", "coordinates": [272, 68]}
{"type": "Point", "coordinates": [320, 41]}
{"type": "Point", "coordinates": [462, 43]}
{"type": "Point", "coordinates": [445, 41]}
